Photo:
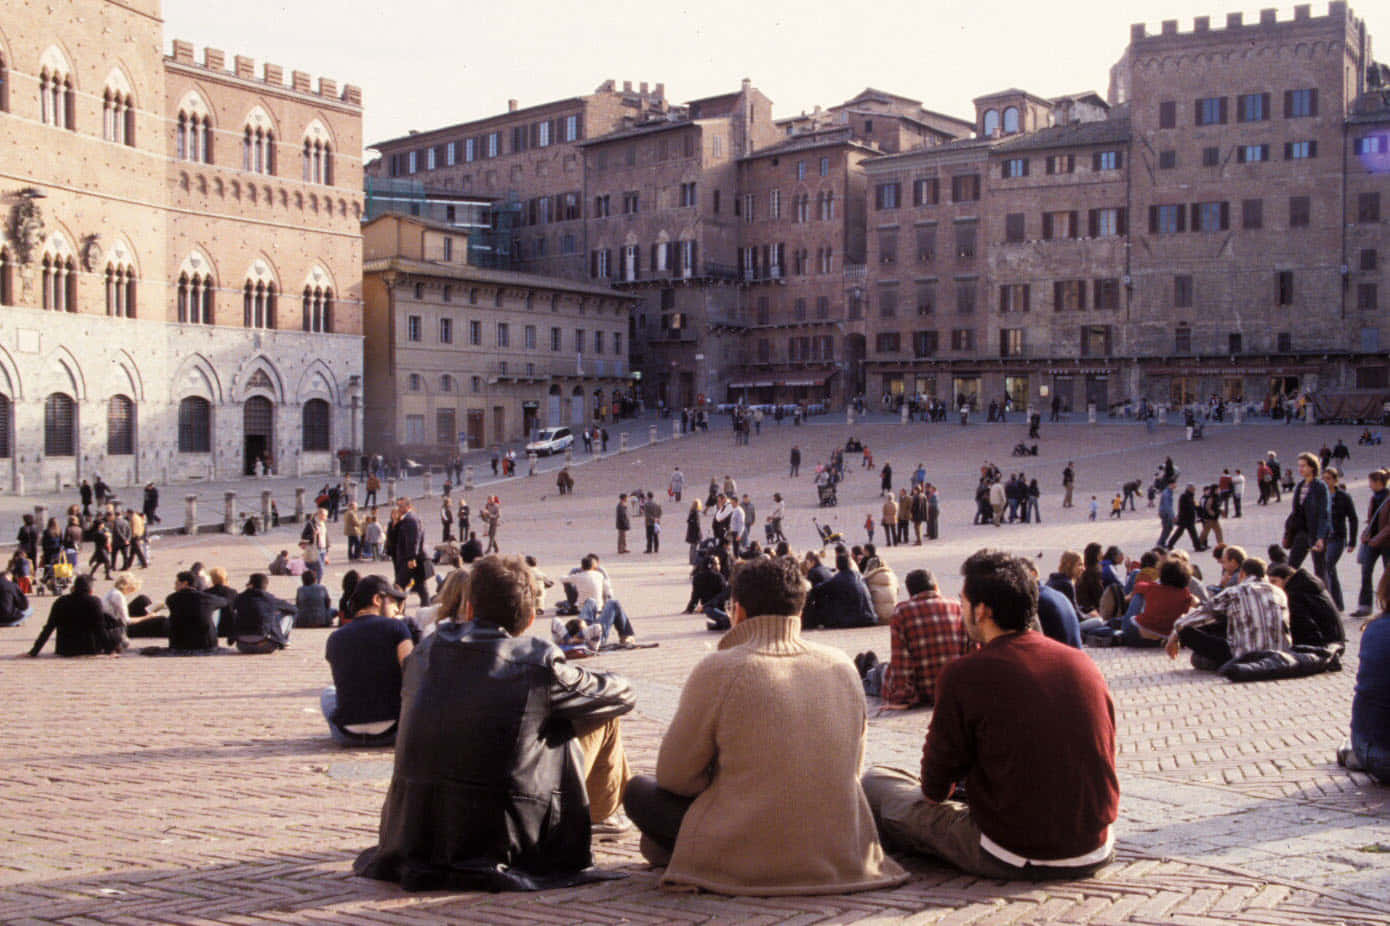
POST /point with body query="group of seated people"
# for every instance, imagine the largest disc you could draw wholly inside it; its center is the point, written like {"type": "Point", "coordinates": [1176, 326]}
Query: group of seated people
{"type": "Point", "coordinates": [509, 757]}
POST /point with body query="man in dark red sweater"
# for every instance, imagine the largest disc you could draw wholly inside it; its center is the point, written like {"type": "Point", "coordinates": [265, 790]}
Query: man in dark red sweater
{"type": "Point", "coordinates": [1028, 725]}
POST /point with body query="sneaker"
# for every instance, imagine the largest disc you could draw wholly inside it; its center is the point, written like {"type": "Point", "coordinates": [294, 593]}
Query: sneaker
{"type": "Point", "coordinates": [615, 826]}
{"type": "Point", "coordinates": [1361, 612]}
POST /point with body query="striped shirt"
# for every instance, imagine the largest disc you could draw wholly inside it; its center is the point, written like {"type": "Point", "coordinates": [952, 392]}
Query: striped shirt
{"type": "Point", "coordinates": [1256, 615]}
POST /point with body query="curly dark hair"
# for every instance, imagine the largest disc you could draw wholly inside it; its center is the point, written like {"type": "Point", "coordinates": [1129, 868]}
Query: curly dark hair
{"type": "Point", "coordinates": [1005, 583]}
{"type": "Point", "coordinates": [769, 585]}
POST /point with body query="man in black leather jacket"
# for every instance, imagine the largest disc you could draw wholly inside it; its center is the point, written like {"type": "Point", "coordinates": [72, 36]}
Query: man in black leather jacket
{"type": "Point", "coordinates": [506, 755]}
{"type": "Point", "coordinates": [840, 601]}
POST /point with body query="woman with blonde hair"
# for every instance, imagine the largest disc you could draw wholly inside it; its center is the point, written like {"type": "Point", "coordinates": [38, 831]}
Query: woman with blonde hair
{"type": "Point", "coordinates": [448, 604]}
{"type": "Point", "coordinates": [116, 606]}
{"type": "Point", "coordinates": [1069, 569]}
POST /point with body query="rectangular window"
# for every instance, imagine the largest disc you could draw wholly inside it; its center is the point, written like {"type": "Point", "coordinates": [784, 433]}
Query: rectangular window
{"type": "Point", "coordinates": [926, 298]}
{"type": "Point", "coordinates": [825, 167]}
{"type": "Point", "coordinates": [888, 342]}
{"type": "Point", "coordinates": [555, 339]}
{"type": "Point", "coordinates": [1107, 160]}
{"type": "Point", "coordinates": [1252, 107]}
{"type": "Point", "coordinates": [1211, 157]}
{"type": "Point", "coordinates": [1011, 342]}
{"type": "Point", "coordinates": [475, 333]}
{"type": "Point", "coordinates": [1167, 160]}
{"type": "Point", "coordinates": [446, 331]}
{"type": "Point", "coordinates": [1300, 103]}
{"type": "Point", "coordinates": [926, 244]}
{"type": "Point", "coordinates": [963, 339]}
{"type": "Point", "coordinates": [504, 334]}
{"type": "Point", "coordinates": [1233, 342]}
{"type": "Point", "coordinates": [1371, 144]}
{"type": "Point", "coordinates": [494, 144]}
{"type": "Point", "coordinates": [1013, 297]}
{"type": "Point", "coordinates": [965, 298]}
{"type": "Point", "coordinates": [1182, 340]}
{"type": "Point", "coordinates": [1368, 207]}
{"type": "Point", "coordinates": [444, 426]}
{"type": "Point", "coordinates": [1253, 154]}
{"type": "Point", "coordinates": [529, 334]}
{"type": "Point", "coordinates": [1014, 227]}
{"type": "Point", "coordinates": [412, 328]}
{"type": "Point", "coordinates": [429, 159]}
{"type": "Point", "coordinates": [1167, 220]}
{"type": "Point", "coordinates": [1252, 213]}
{"type": "Point", "coordinates": [543, 134]}
{"type": "Point", "coordinates": [887, 247]}
{"type": "Point", "coordinates": [1014, 167]}
{"type": "Point", "coordinates": [1366, 297]}
{"type": "Point", "coordinates": [1210, 217]}
{"type": "Point", "coordinates": [451, 153]}
{"type": "Point", "coordinates": [571, 128]}
{"type": "Point", "coordinates": [1371, 377]}
{"type": "Point", "coordinates": [414, 161]}
{"type": "Point", "coordinates": [1283, 287]}
{"type": "Point", "coordinates": [887, 196]}
{"type": "Point", "coordinates": [1069, 295]}
{"type": "Point", "coordinates": [1059, 225]}
{"type": "Point", "coordinates": [924, 343]}
{"type": "Point", "coordinates": [1061, 163]}
{"type": "Point", "coordinates": [414, 429]}
{"type": "Point", "coordinates": [965, 241]}
{"type": "Point", "coordinates": [1182, 291]}
{"type": "Point", "coordinates": [470, 149]}
{"type": "Point", "coordinates": [801, 170]}
{"type": "Point", "coordinates": [965, 188]}
{"type": "Point", "coordinates": [1368, 259]}
{"type": "Point", "coordinates": [1095, 340]}
{"type": "Point", "coordinates": [1106, 223]}
{"type": "Point", "coordinates": [888, 302]}
{"type": "Point", "coordinates": [1106, 293]}
{"type": "Point", "coordinates": [1210, 111]}
{"type": "Point", "coordinates": [1300, 150]}
{"type": "Point", "coordinates": [1300, 211]}
{"type": "Point", "coordinates": [1167, 114]}
{"type": "Point", "coordinates": [926, 192]}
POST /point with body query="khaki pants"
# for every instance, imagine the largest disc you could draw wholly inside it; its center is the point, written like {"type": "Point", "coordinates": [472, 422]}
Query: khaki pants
{"type": "Point", "coordinates": [998, 515]}
{"type": "Point", "coordinates": [606, 771]}
{"type": "Point", "coordinates": [1066, 500]}
{"type": "Point", "coordinates": [908, 821]}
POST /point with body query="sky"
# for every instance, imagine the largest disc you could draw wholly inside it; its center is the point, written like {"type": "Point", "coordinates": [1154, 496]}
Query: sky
{"type": "Point", "coordinates": [427, 63]}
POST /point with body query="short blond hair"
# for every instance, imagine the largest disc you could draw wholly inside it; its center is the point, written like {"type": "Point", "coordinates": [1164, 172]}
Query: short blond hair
{"type": "Point", "coordinates": [127, 582]}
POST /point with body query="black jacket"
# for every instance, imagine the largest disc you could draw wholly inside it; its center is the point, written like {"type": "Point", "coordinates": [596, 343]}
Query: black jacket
{"type": "Point", "coordinates": [81, 626]}
{"type": "Point", "coordinates": [1313, 618]}
{"type": "Point", "coordinates": [621, 520]}
{"type": "Point", "coordinates": [410, 541]}
{"type": "Point", "coordinates": [840, 601]}
{"type": "Point", "coordinates": [488, 787]}
{"type": "Point", "coordinates": [13, 602]}
{"type": "Point", "coordinates": [1312, 511]}
{"type": "Point", "coordinates": [256, 614]}
{"type": "Point", "coordinates": [1344, 520]}
{"type": "Point", "coordinates": [707, 587]}
{"type": "Point", "coordinates": [692, 527]}
{"type": "Point", "coordinates": [191, 622]}
{"type": "Point", "coordinates": [1187, 510]}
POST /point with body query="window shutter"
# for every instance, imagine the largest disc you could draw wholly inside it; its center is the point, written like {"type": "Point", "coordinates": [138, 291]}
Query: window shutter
{"type": "Point", "coordinates": [1071, 224]}
{"type": "Point", "coordinates": [1025, 167]}
{"type": "Point", "coordinates": [878, 196]}
{"type": "Point", "coordinates": [1122, 222]}
{"type": "Point", "coordinates": [1197, 112]}
{"type": "Point", "coordinates": [1288, 103]}
{"type": "Point", "coordinates": [1264, 105]}
{"type": "Point", "coordinates": [1025, 297]}
{"type": "Point", "coordinates": [1153, 220]}
{"type": "Point", "coordinates": [1095, 160]}
{"type": "Point", "coordinates": [1195, 222]}
{"type": "Point", "coordinates": [694, 252]}
{"type": "Point", "coordinates": [1288, 150]}
{"type": "Point", "coordinates": [1003, 299]}
{"type": "Point", "coordinates": [1313, 148]}
{"type": "Point", "coordinates": [1051, 166]}
{"type": "Point", "coordinates": [1047, 226]}
{"type": "Point", "coordinates": [608, 259]}
{"type": "Point", "coordinates": [1119, 159]}
{"type": "Point", "coordinates": [673, 254]}
{"type": "Point", "coordinates": [1182, 218]}
{"type": "Point", "coordinates": [1313, 103]}
{"type": "Point", "coordinates": [656, 263]}
{"type": "Point", "coordinates": [1058, 298]}
{"type": "Point", "coordinates": [1081, 294]}
{"type": "Point", "coordinates": [1264, 152]}
{"type": "Point", "coordinates": [1071, 163]}
{"type": "Point", "coordinates": [1240, 154]}
{"type": "Point", "coordinates": [1223, 110]}
{"type": "Point", "coordinates": [636, 261]}
{"type": "Point", "coordinates": [1004, 168]}
{"type": "Point", "coordinates": [593, 264]}
{"type": "Point", "coordinates": [1225, 216]}
{"type": "Point", "coordinates": [1093, 223]}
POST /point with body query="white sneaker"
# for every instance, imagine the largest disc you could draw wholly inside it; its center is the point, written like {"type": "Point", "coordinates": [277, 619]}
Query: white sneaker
{"type": "Point", "coordinates": [613, 827]}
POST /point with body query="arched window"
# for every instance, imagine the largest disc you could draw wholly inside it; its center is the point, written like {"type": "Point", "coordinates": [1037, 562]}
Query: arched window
{"type": "Point", "coordinates": [318, 308]}
{"type": "Point", "coordinates": [118, 110]}
{"type": "Point", "coordinates": [258, 297]}
{"type": "Point", "coordinates": [1011, 120]}
{"type": "Point", "coordinates": [57, 99]}
{"type": "Point", "coordinates": [446, 383]}
{"type": "Point", "coordinates": [59, 420]}
{"type": "Point", "coordinates": [193, 138]}
{"type": "Point", "coordinates": [195, 425]}
{"type": "Point", "coordinates": [59, 270]}
{"type": "Point", "coordinates": [195, 298]}
{"type": "Point", "coordinates": [120, 426]}
{"type": "Point", "coordinates": [316, 426]}
{"type": "Point", "coordinates": [120, 284]}
{"type": "Point", "coordinates": [991, 124]}
{"type": "Point", "coordinates": [258, 144]}
{"type": "Point", "coordinates": [6, 277]}
{"type": "Point", "coordinates": [6, 416]}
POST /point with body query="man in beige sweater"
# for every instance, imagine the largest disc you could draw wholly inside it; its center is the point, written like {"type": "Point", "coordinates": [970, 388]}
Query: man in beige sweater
{"type": "Point", "coordinates": [754, 794]}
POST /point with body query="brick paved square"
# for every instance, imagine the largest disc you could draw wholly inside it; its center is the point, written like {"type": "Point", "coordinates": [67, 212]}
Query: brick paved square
{"type": "Point", "coordinates": [146, 790]}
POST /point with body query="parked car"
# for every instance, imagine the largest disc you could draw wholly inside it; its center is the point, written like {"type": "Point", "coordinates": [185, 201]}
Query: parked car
{"type": "Point", "coordinates": [550, 440]}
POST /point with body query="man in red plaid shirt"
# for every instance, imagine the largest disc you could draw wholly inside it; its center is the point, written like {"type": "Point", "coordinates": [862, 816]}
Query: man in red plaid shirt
{"type": "Point", "coordinates": [927, 633]}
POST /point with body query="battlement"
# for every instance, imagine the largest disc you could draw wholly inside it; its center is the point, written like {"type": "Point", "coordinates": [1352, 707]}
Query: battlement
{"type": "Point", "coordinates": [273, 75]}
{"type": "Point", "coordinates": [1337, 13]}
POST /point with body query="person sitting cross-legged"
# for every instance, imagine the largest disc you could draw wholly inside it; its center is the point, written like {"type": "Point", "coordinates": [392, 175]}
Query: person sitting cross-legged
{"type": "Point", "coordinates": [1251, 616]}
{"type": "Point", "coordinates": [313, 607]}
{"type": "Point", "coordinates": [80, 622]}
{"type": "Point", "coordinates": [260, 622]}
{"type": "Point", "coordinates": [192, 620]}
{"type": "Point", "coordinates": [926, 634]}
{"type": "Point", "coordinates": [508, 758]}
{"type": "Point", "coordinates": [755, 792]}
{"type": "Point", "coordinates": [1028, 724]}
{"type": "Point", "coordinates": [366, 655]}
{"type": "Point", "coordinates": [596, 601]}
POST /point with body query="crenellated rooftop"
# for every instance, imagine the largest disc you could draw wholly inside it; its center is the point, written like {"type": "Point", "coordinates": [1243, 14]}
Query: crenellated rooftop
{"type": "Point", "coordinates": [244, 68]}
{"type": "Point", "coordinates": [1235, 22]}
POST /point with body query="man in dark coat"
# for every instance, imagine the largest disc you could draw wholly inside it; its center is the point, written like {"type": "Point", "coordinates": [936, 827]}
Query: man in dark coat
{"type": "Point", "coordinates": [841, 601]}
{"type": "Point", "coordinates": [1187, 519]}
{"type": "Point", "coordinates": [192, 623]}
{"type": "Point", "coordinates": [1314, 619]}
{"type": "Point", "coordinates": [408, 554]}
{"type": "Point", "coordinates": [84, 492]}
{"type": "Point", "coordinates": [507, 757]}
{"type": "Point", "coordinates": [14, 604]}
{"type": "Point", "coordinates": [151, 505]}
{"type": "Point", "coordinates": [261, 622]}
{"type": "Point", "coordinates": [622, 522]}
{"type": "Point", "coordinates": [80, 622]}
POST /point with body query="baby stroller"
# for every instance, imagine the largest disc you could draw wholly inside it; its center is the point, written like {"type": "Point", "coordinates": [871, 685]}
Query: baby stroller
{"type": "Point", "coordinates": [57, 576]}
{"type": "Point", "coordinates": [827, 534]}
{"type": "Point", "coordinates": [827, 495]}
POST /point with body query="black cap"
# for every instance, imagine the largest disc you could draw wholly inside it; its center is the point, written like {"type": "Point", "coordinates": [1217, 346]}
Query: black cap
{"type": "Point", "coordinates": [369, 587]}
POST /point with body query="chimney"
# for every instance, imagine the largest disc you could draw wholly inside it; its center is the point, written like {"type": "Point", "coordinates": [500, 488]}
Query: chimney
{"type": "Point", "coordinates": [660, 91]}
{"type": "Point", "coordinates": [512, 106]}
{"type": "Point", "coordinates": [747, 85]}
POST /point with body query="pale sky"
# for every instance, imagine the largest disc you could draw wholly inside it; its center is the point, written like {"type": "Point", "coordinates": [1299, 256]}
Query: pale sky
{"type": "Point", "coordinates": [427, 63]}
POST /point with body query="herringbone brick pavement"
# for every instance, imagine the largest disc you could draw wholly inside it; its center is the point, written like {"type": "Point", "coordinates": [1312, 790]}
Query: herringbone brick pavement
{"type": "Point", "coordinates": [144, 790]}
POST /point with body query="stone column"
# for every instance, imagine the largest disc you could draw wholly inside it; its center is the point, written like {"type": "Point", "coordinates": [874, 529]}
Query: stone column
{"type": "Point", "coordinates": [651, 434]}
{"type": "Point", "coordinates": [428, 480]}
{"type": "Point", "coordinates": [1240, 413]}
{"type": "Point", "coordinates": [265, 510]}
{"type": "Point", "coordinates": [58, 483]}
{"type": "Point", "coordinates": [229, 516]}
{"type": "Point", "coordinates": [849, 414]}
{"type": "Point", "coordinates": [299, 504]}
{"type": "Point", "coordinates": [468, 484]}
{"type": "Point", "coordinates": [531, 464]}
{"type": "Point", "coordinates": [190, 514]}
{"type": "Point", "coordinates": [569, 454]}
{"type": "Point", "coordinates": [390, 491]}
{"type": "Point", "coordinates": [622, 442]}
{"type": "Point", "coordinates": [675, 430]}
{"type": "Point", "coordinates": [1090, 413]}
{"type": "Point", "coordinates": [1163, 414]}
{"type": "Point", "coordinates": [19, 483]}
{"type": "Point", "coordinates": [902, 414]}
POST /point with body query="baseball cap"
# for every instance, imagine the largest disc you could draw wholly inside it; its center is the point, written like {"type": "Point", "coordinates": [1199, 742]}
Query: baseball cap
{"type": "Point", "coordinates": [369, 587]}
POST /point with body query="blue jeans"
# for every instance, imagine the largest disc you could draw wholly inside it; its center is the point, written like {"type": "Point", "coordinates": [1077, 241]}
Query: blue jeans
{"type": "Point", "coordinates": [1368, 569]}
{"type": "Point", "coordinates": [716, 616]}
{"type": "Point", "coordinates": [1129, 631]}
{"type": "Point", "coordinates": [19, 621]}
{"type": "Point", "coordinates": [611, 616]}
{"type": "Point", "coordinates": [1167, 524]}
{"type": "Point", "coordinates": [328, 703]}
{"type": "Point", "coordinates": [1374, 760]}
{"type": "Point", "coordinates": [1333, 552]}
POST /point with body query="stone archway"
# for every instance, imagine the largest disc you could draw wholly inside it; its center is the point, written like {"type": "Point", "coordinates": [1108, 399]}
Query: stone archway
{"type": "Point", "coordinates": [258, 434]}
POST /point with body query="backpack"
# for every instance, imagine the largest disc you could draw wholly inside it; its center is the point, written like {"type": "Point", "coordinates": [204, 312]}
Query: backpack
{"type": "Point", "coordinates": [307, 534]}
{"type": "Point", "coordinates": [1112, 602]}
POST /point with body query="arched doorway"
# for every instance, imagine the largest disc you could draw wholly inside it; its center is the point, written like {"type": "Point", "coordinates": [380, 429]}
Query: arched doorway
{"type": "Point", "coordinates": [258, 429]}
